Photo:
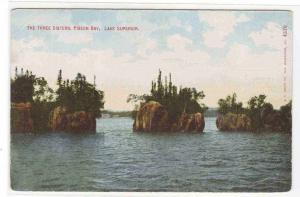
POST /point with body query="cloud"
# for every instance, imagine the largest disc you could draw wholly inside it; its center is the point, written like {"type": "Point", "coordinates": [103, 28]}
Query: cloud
{"type": "Point", "coordinates": [74, 37]}
{"type": "Point", "coordinates": [178, 42]}
{"type": "Point", "coordinates": [253, 72]}
{"type": "Point", "coordinates": [241, 57]}
{"type": "Point", "coordinates": [221, 23]}
{"type": "Point", "coordinates": [174, 21]}
{"type": "Point", "coordinates": [120, 74]}
{"type": "Point", "coordinates": [269, 36]}
{"type": "Point", "coordinates": [28, 44]}
{"type": "Point", "coordinates": [144, 48]}
{"type": "Point", "coordinates": [18, 48]}
{"type": "Point", "coordinates": [243, 69]}
{"type": "Point", "coordinates": [21, 19]}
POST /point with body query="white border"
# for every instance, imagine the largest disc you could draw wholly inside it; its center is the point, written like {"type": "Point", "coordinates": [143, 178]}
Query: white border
{"type": "Point", "coordinates": [154, 4]}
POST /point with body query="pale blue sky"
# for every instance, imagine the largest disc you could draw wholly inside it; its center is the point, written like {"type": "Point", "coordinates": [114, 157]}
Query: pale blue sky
{"type": "Point", "coordinates": [104, 40]}
{"type": "Point", "coordinates": [157, 29]}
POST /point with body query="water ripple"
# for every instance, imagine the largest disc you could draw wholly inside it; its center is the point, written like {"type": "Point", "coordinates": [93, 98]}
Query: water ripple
{"type": "Point", "coordinates": [117, 159]}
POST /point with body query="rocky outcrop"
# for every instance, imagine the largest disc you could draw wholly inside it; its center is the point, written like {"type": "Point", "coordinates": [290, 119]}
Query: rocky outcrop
{"type": "Point", "coordinates": [58, 119]}
{"type": "Point", "coordinates": [21, 120]}
{"type": "Point", "coordinates": [61, 119]}
{"type": "Point", "coordinates": [152, 116]}
{"type": "Point", "coordinates": [267, 119]}
{"type": "Point", "coordinates": [275, 120]}
{"type": "Point", "coordinates": [191, 122]}
{"type": "Point", "coordinates": [233, 122]}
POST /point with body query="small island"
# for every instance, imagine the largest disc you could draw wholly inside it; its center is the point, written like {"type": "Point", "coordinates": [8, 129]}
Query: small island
{"type": "Point", "coordinates": [259, 115]}
{"type": "Point", "coordinates": [72, 107]}
{"type": "Point", "coordinates": [76, 104]}
{"type": "Point", "coordinates": [168, 108]}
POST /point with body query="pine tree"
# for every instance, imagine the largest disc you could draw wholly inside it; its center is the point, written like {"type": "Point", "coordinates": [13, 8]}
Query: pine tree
{"type": "Point", "coordinates": [16, 72]}
{"type": "Point", "coordinates": [59, 78]}
{"type": "Point", "coordinates": [170, 84]}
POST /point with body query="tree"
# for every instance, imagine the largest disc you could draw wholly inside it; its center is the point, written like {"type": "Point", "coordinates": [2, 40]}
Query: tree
{"type": "Point", "coordinates": [22, 88]}
{"type": "Point", "coordinates": [186, 100]}
{"type": "Point", "coordinates": [254, 109]}
{"type": "Point", "coordinates": [230, 104]}
{"type": "Point", "coordinates": [42, 91]}
{"type": "Point", "coordinates": [286, 116]}
{"type": "Point", "coordinates": [29, 88]}
{"type": "Point", "coordinates": [75, 94]}
{"type": "Point", "coordinates": [59, 78]}
{"type": "Point", "coordinates": [78, 94]}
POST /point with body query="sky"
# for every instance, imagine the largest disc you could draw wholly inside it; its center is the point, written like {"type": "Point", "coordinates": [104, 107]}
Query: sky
{"type": "Point", "coordinates": [217, 51]}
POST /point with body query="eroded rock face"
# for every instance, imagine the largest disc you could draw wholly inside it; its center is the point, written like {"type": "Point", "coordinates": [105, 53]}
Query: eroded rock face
{"type": "Point", "coordinates": [274, 120]}
{"type": "Point", "coordinates": [191, 122]}
{"type": "Point", "coordinates": [21, 120]}
{"type": "Point", "coordinates": [152, 117]}
{"type": "Point", "coordinates": [58, 119]}
{"type": "Point", "coordinates": [233, 122]}
{"type": "Point", "coordinates": [81, 121]}
{"type": "Point", "coordinates": [268, 120]}
{"type": "Point", "coordinates": [61, 119]}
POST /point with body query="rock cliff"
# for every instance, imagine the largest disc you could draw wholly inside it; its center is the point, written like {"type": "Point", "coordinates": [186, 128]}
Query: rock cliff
{"type": "Point", "coordinates": [191, 122]}
{"type": "Point", "coordinates": [61, 119]}
{"type": "Point", "coordinates": [21, 120]}
{"type": "Point", "coordinates": [233, 122]}
{"type": "Point", "coordinates": [152, 116]}
{"type": "Point", "coordinates": [267, 120]}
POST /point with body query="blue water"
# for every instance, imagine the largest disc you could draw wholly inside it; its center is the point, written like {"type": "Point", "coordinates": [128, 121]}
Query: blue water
{"type": "Point", "coordinates": [117, 159]}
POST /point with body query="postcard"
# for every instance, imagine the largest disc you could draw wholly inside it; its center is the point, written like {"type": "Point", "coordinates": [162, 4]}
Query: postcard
{"type": "Point", "coordinates": [151, 100]}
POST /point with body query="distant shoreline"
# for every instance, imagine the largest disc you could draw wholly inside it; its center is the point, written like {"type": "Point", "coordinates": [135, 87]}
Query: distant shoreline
{"type": "Point", "coordinates": [211, 112]}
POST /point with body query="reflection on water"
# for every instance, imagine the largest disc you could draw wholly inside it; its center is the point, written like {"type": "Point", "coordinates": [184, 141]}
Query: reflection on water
{"type": "Point", "coordinates": [117, 159]}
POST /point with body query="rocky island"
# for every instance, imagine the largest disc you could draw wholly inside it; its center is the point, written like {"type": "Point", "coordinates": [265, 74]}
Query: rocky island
{"type": "Point", "coordinates": [75, 105]}
{"type": "Point", "coordinates": [168, 110]}
{"type": "Point", "coordinates": [152, 116]}
{"type": "Point", "coordinates": [35, 107]}
{"type": "Point", "coordinates": [257, 116]}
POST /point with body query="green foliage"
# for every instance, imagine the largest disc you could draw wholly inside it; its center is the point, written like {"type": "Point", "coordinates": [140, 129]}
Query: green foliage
{"type": "Point", "coordinates": [42, 93]}
{"type": "Point", "coordinates": [26, 87]}
{"type": "Point", "coordinates": [42, 104]}
{"type": "Point", "coordinates": [29, 88]}
{"type": "Point", "coordinates": [286, 116]}
{"type": "Point", "coordinates": [40, 115]}
{"type": "Point", "coordinates": [257, 102]}
{"type": "Point", "coordinates": [78, 94]}
{"type": "Point", "coordinates": [22, 87]}
{"type": "Point", "coordinates": [286, 110]}
{"type": "Point", "coordinates": [254, 109]}
{"type": "Point", "coordinates": [230, 104]}
{"type": "Point", "coordinates": [258, 111]}
{"type": "Point", "coordinates": [185, 100]}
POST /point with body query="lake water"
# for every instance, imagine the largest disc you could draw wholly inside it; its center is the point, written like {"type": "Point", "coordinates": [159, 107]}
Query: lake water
{"type": "Point", "coordinates": [117, 159]}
